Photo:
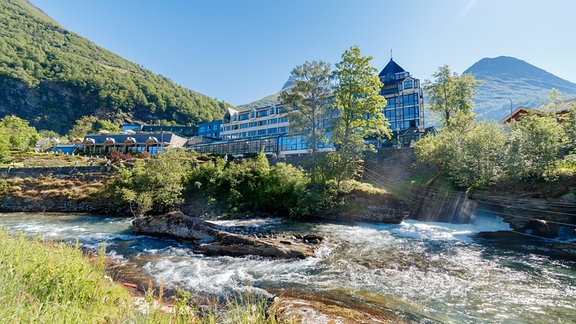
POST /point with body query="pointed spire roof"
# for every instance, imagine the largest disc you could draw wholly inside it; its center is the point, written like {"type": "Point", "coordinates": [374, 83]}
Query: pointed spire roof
{"type": "Point", "coordinates": [390, 69]}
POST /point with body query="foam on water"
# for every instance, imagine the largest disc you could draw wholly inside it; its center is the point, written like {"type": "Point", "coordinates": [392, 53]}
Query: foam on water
{"type": "Point", "coordinates": [433, 271]}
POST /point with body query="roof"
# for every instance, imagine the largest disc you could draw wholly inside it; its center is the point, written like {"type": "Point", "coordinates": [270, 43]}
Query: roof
{"type": "Point", "coordinates": [559, 108]}
{"type": "Point", "coordinates": [119, 139]}
{"type": "Point", "coordinates": [391, 68]}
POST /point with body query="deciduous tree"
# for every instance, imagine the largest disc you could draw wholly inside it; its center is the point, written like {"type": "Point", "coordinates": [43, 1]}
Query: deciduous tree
{"type": "Point", "coordinates": [470, 154]}
{"type": "Point", "coordinates": [90, 125]}
{"type": "Point", "coordinates": [359, 105]}
{"type": "Point", "coordinates": [308, 104]}
{"type": "Point", "coordinates": [536, 144]}
{"type": "Point", "coordinates": [307, 101]}
{"type": "Point", "coordinates": [450, 95]}
{"type": "Point", "coordinates": [19, 134]}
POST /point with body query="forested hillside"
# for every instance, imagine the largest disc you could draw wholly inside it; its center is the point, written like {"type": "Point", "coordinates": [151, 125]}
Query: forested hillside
{"type": "Point", "coordinates": [52, 77]}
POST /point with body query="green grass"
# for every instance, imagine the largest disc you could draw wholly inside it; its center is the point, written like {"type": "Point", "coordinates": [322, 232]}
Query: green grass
{"type": "Point", "coordinates": [44, 282]}
{"type": "Point", "coordinates": [31, 159]}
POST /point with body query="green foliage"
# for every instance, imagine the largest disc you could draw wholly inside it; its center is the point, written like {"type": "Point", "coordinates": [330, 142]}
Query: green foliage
{"type": "Point", "coordinates": [54, 283]}
{"type": "Point", "coordinates": [450, 95]}
{"type": "Point", "coordinates": [308, 103]}
{"type": "Point", "coordinates": [156, 184]}
{"type": "Point", "coordinates": [538, 148]}
{"type": "Point", "coordinates": [471, 154]}
{"type": "Point", "coordinates": [251, 185]}
{"type": "Point", "coordinates": [70, 77]}
{"type": "Point", "coordinates": [92, 125]}
{"type": "Point", "coordinates": [359, 106]}
{"type": "Point", "coordinates": [536, 145]}
{"type": "Point", "coordinates": [19, 134]}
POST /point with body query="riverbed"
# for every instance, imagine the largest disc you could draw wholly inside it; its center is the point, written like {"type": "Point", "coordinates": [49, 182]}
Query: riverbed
{"type": "Point", "coordinates": [421, 271]}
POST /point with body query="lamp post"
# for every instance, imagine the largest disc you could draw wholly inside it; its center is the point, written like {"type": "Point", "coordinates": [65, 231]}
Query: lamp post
{"type": "Point", "coordinates": [511, 110]}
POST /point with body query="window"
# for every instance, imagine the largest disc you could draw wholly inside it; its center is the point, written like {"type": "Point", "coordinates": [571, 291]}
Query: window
{"type": "Point", "coordinates": [282, 120]}
{"type": "Point", "coordinates": [262, 113]}
{"type": "Point", "coordinates": [282, 129]}
{"type": "Point", "coordinates": [273, 121]}
{"type": "Point", "coordinates": [408, 84]}
{"type": "Point", "coordinates": [252, 114]}
{"type": "Point", "coordinates": [261, 132]}
{"type": "Point", "coordinates": [272, 110]}
{"type": "Point", "coordinates": [252, 133]}
{"type": "Point", "coordinates": [262, 123]}
{"type": "Point", "coordinates": [244, 125]}
{"type": "Point", "coordinates": [253, 124]}
{"type": "Point", "coordinates": [272, 130]}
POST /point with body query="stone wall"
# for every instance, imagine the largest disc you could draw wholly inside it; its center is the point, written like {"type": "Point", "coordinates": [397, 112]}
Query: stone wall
{"type": "Point", "coordinates": [54, 171]}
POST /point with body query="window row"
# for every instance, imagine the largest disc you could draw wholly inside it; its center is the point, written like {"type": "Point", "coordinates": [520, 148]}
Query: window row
{"type": "Point", "coordinates": [264, 131]}
{"type": "Point", "coordinates": [245, 115]}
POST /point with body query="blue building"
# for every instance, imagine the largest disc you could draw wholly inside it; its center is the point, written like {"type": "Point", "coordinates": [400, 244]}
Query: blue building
{"type": "Point", "coordinates": [210, 129]}
{"type": "Point", "coordinates": [404, 108]}
{"type": "Point", "coordinates": [267, 128]}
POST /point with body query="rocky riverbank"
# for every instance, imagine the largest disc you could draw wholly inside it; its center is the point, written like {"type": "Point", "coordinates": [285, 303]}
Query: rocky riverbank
{"type": "Point", "coordinates": [533, 212]}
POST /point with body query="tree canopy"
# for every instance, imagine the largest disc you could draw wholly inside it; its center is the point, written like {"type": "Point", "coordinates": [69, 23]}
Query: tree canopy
{"type": "Point", "coordinates": [359, 105]}
{"type": "Point", "coordinates": [18, 134]}
{"type": "Point", "coordinates": [308, 102]}
{"type": "Point", "coordinates": [450, 95]}
{"type": "Point", "coordinates": [92, 125]}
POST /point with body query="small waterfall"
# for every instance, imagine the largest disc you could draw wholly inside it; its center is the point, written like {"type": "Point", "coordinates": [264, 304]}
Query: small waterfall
{"type": "Point", "coordinates": [442, 205]}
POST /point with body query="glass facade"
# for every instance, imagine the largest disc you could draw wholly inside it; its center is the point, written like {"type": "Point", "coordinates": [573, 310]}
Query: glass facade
{"type": "Point", "coordinates": [404, 99]}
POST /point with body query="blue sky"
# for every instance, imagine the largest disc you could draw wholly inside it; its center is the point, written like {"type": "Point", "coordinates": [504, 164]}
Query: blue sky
{"type": "Point", "coordinates": [240, 51]}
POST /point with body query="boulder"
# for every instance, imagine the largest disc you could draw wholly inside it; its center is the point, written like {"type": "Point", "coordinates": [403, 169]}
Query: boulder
{"type": "Point", "coordinates": [212, 240]}
{"type": "Point", "coordinates": [360, 206]}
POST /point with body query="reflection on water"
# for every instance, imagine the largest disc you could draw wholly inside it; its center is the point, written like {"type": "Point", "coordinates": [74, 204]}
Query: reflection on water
{"type": "Point", "coordinates": [425, 271]}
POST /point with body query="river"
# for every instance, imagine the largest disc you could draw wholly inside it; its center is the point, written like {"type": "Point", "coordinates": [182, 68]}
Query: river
{"type": "Point", "coordinates": [422, 271]}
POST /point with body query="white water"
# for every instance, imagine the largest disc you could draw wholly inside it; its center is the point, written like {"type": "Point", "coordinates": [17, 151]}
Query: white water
{"type": "Point", "coordinates": [422, 271]}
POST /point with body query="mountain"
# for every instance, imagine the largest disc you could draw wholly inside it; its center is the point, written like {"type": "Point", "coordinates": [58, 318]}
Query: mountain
{"type": "Point", "coordinates": [509, 78]}
{"type": "Point", "coordinates": [51, 77]}
{"type": "Point", "coordinates": [268, 100]}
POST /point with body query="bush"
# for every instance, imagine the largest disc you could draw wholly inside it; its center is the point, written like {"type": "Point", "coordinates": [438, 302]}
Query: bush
{"type": "Point", "coordinates": [155, 185]}
{"type": "Point", "coordinates": [251, 185]}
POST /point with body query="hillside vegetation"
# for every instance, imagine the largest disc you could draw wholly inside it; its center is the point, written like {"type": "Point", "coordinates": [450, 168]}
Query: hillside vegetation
{"type": "Point", "coordinates": [52, 77]}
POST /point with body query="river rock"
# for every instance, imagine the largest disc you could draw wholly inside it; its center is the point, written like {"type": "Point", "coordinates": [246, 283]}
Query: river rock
{"type": "Point", "coordinates": [212, 240]}
{"type": "Point", "coordinates": [359, 206]}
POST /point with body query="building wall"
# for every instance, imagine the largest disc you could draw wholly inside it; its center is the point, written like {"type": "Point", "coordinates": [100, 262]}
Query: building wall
{"type": "Point", "coordinates": [239, 129]}
{"type": "Point", "coordinates": [404, 108]}
{"type": "Point", "coordinates": [265, 121]}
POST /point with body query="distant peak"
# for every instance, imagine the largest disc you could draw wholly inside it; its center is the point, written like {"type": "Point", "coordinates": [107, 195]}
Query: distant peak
{"type": "Point", "coordinates": [289, 83]}
{"type": "Point", "coordinates": [503, 64]}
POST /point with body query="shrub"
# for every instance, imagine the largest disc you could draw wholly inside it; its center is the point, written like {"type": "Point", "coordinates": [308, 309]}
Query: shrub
{"type": "Point", "coordinates": [153, 185]}
{"type": "Point", "coordinates": [251, 185]}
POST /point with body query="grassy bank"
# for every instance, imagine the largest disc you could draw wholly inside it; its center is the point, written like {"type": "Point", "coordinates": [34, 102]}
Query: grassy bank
{"type": "Point", "coordinates": [56, 283]}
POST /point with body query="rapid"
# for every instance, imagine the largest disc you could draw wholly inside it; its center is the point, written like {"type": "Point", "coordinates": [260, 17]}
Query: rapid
{"type": "Point", "coordinates": [421, 271]}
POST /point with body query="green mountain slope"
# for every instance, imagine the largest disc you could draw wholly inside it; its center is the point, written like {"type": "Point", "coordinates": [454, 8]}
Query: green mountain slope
{"type": "Point", "coordinates": [512, 79]}
{"type": "Point", "coordinates": [52, 77]}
